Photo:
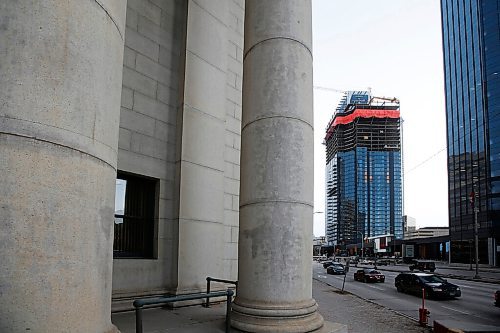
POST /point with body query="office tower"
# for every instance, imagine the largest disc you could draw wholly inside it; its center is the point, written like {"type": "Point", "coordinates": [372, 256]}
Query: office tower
{"type": "Point", "coordinates": [471, 52]}
{"type": "Point", "coordinates": [363, 170]}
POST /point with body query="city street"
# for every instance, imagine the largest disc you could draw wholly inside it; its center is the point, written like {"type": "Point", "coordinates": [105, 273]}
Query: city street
{"type": "Point", "coordinates": [475, 305]}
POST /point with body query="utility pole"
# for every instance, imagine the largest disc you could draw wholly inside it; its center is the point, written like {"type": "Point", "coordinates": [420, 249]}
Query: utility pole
{"type": "Point", "coordinates": [476, 231]}
{"type": "Point", "coordinates": [470, 254]}
{"type": "Point", "coordinates": [362, 244]}
{"type": "Point", "coordinates": [476, 239]}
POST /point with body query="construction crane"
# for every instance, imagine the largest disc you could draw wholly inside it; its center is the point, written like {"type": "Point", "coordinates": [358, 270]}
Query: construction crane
{"type": "Point", "coordinates": [339, 90]}
{"type": "Point", "coordinates": [372, 99]}
{"type": "Point", "coordinates": [389, 99]}
{"type": "Point", "coordinates": [329, 89]}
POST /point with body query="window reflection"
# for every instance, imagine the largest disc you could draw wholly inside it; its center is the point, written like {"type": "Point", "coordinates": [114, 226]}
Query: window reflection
{"type": "Point", "coordinates": [121, 188]}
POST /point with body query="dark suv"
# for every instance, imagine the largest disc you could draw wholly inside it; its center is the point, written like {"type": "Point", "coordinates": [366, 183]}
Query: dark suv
{"type": "Point", "coordinates": [434, 286]}
{"type": "Point", "coordinates": [423, 265]}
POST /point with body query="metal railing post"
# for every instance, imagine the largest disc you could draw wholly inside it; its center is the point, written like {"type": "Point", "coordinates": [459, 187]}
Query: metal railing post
{"type": "Point", "coordinates": [138, 319]}
{"type": "Point", "coordinates": [207, 304]}
{"type": "Point", "coordinates": [159, 301]}
{"type": "Point", "coordinates": [230, 294]}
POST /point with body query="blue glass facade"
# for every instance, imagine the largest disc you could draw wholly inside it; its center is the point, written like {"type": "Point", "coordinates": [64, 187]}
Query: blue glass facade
{"type": "Point", "coordinates": [471, 57]}
{"type": "Point", "coordinates": [369, 194]}
{"type": "Point", "coordinates": [363, 178]}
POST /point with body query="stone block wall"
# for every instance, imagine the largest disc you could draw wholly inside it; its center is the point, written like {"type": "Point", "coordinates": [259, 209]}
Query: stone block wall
{"type": "Point", "coordinates": [234, 78]}
{"type": "Point", "coordinates": [161, 123]}
{"type": "Point", "coordinates": [147, 137]}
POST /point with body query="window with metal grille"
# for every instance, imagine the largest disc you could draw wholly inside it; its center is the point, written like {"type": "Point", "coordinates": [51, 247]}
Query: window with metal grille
{"type": "Point", "coordinates": [134, 216]}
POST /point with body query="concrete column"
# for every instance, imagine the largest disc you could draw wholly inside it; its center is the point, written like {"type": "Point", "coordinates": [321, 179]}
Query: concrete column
{"type": "Point", "coordinates": [60, 86]}
{"type": "Point", "coordinates": [276, 204]}
{"type": "Point", "coordinates": [200, 164]}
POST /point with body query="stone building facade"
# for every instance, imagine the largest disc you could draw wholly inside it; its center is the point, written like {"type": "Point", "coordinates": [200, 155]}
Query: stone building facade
{"type": "Point", "coordinates": [180, 125]}
{"type": "Point", "coordinates": [154, 103]}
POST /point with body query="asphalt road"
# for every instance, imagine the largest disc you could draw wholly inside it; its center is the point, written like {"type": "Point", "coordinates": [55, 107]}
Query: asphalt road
{"type": "Point", "coordinates": [475, 305]}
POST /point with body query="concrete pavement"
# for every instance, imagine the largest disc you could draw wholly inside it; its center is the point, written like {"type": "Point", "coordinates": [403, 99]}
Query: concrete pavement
{"type": "Point", "coordinates": [358, 314]}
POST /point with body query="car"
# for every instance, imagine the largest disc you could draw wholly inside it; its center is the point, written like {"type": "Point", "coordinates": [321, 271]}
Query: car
{"type": "Point", "coordinates": [433, 285]}
{"type": "Point", "coordinates": [369, 275]}
{"type": "Point", "coordinates": [497, 298]}
{"type": "Point", "coordinates": [354, 260]}
{"type": "Point", "coordinates": [382, 262]}
{"type": "Point", "coordinates": [423, 265]}
{"type": "Point", "coordinates": [335, 268]}
{"type": "Point", "coordinates": [328, 263]}
{"type": "Point", "coordinates": [366, 262]}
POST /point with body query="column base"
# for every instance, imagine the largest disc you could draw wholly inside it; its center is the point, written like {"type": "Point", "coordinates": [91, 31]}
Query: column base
{"type": "Point", "coordinates": [277, 319]}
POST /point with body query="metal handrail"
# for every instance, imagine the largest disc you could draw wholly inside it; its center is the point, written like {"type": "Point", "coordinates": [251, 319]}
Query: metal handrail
{"type": "Point", "coordinates": [210, 279]}
{"type": "Point", "coordinates": [140, 303]}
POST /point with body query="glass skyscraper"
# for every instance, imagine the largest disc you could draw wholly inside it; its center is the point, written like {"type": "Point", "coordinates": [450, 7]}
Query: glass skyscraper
{"type": "Point", "coordinates": [471, 54]}
{"type": "Point", "coordinates": [363, 171]}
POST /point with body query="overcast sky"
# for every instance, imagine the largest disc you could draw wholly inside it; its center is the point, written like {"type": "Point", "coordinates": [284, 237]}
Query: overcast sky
{"type": "Point", "coordinates": [394, 47]}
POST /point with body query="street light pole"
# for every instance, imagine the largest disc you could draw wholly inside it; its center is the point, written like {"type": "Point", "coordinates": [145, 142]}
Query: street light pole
{"type": "Point", "coordinates": [476, 232]}
{"type": "Point", "coordinates": [476, 239]}
{"type": "Point", "coordinates": [362, 243]}
{"type": "Point", "coordinates": [470, 254]}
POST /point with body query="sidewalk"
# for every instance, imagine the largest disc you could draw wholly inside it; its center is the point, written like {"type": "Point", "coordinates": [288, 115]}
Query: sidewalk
{"type": "Point", "coordinates": [358, 314]}
{"type": "Point", "coordinates": [454, 271]}
{"type": "Point", "coordinates": [463, 272]}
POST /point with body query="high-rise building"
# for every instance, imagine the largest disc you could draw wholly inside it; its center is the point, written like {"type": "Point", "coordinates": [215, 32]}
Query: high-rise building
{"type": "Point", "coordinates": [363, 170]}
{"type": "Point", "coordinates": [471, 53]}
{"type": "Point", "coordinates": [409, 225]}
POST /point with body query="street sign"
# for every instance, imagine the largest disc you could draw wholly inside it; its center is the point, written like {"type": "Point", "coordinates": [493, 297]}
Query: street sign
{"type": "Point", "coordinates": [409, 251]}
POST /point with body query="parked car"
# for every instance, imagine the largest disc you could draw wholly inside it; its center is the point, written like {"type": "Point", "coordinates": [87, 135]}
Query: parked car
{"type": "Point", "coordinates": [328, 263]}
{"type": "Point", "coordinates": [423, 265]}
{"type": "Point", "coordinates": [369, 275]}
{"type": "Point", "coordinates": [335, 268]}
{"type": "Point", "coordinates": [366, 262]}
{"type": "Point", "coordinates": [497, 298]}
{"type": "Point", "coordinates": [434, 286]}
{"type": "Point", "coordinates": [319, 258]}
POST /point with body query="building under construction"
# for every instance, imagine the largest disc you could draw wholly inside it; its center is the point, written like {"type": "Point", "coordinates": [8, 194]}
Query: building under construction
{"type": "Point", "coordinates": [363, 171]}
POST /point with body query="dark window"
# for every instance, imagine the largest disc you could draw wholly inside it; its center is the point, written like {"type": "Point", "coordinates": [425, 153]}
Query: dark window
{"type": "Point", "coordinates": [134, 216]}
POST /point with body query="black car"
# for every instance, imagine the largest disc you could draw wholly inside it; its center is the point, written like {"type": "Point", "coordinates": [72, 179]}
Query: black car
{"type": "Point", "coordinates": [434, 286]}
{"type": "Point", "coordinates": [335, 268]}
{"type": "Point", "coordinates": [497, 298]}
{"type": "Point", "coordinates": [369, 275]}
{"type": "Point", "coordinates": [423, 265]}
{"type": "Point", "coordinates": [328, 263]}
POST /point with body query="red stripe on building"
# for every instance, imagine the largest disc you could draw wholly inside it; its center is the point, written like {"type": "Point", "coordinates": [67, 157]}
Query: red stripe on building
{"type": "Point", "coordinates": [360, 113]}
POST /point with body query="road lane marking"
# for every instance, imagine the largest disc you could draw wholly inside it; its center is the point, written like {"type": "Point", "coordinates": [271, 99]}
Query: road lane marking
{"type": "Point", "coordinates": [322, 276]}
{"type": "Point", "coordinates": [452, 309]}
{"type": "Point", "coordinates": [376, 288]}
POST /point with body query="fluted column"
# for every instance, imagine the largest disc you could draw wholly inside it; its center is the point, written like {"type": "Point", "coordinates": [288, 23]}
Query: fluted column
{"type": "Point", "coordinates": [276, 204]}
{"type": "Point", "coordinates": [60, 87]}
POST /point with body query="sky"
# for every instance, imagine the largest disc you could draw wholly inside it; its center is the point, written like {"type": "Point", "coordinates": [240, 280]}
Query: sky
{"type": "Point", "coordinates": [394, 47]}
